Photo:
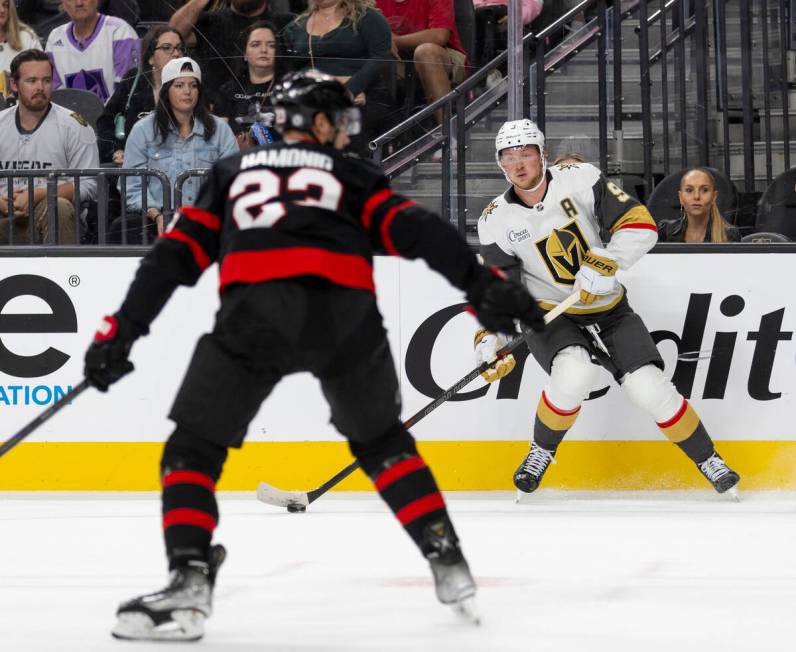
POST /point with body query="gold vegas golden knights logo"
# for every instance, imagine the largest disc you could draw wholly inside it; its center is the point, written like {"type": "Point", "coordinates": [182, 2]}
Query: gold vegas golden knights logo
{"type": "Point", "coordinates": [562, 252]}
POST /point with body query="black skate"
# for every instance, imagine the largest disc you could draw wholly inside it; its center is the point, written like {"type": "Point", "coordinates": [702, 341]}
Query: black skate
{"type": "Point", "coordinates": [453, 582]}
{"type": "Point", "coordinates": [721, 476]}
{"type": "Point", "coordinates": [530, 473]}
{"type": "Point", "coordinates": [177, 612]}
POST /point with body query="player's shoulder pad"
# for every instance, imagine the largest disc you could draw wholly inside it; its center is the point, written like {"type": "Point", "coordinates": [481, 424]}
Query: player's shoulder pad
{"type": "Point", "coordinates": [78, 118]}
{"type": "Point", "coordinates": [490, 209]}
{"type": "Point", "coordinates": [576, 176]}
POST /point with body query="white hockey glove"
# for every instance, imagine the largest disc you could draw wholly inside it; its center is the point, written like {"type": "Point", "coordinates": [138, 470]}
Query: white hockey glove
{"type": "Point", "coordinates": [486, 346]}
{"type": "Point", "coordinates": [597, 275]}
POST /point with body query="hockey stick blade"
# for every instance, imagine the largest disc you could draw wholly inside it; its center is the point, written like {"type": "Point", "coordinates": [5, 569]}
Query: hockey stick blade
{"type": "Point", "coordinates": [44, 416]}
{"type": "Point", "coordinates": [281, 498]}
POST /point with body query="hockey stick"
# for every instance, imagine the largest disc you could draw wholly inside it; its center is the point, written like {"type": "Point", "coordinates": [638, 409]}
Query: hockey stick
{"type": "Point", "coordinates": [44, 416]}
{"type": "Point", "coordinates": [297, 501]}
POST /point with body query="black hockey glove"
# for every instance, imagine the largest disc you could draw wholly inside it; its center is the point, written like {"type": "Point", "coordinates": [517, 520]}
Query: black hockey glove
{"type": "Point", "coordinates": [497, 302]}
{"type": "Point", "coordinates": [106, 358]}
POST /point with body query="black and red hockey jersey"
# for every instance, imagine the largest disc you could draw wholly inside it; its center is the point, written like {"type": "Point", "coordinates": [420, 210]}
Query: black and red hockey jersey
{"type": "Point", "coordinates": [293, 210]}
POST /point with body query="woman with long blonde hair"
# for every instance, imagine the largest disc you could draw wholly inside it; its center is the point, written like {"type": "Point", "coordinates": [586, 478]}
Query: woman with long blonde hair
{"type": "Point", "coordinates": [700, 218]}
{"type": "Point", "coordinates": [15, 37]}
{"type": "Point", "coordinates": [351, 40]}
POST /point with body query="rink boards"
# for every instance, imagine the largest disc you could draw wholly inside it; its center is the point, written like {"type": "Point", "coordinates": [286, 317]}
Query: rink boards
{"type": "Point", "coordinates": [724, 325]}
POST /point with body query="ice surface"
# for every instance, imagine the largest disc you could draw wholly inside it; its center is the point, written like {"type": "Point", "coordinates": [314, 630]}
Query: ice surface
{"type": "Point", "coordinates": [561, 572]}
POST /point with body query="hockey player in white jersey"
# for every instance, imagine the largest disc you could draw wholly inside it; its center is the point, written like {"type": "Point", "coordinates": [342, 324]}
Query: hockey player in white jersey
{"type": "Point", "coordinates": [565, 225]}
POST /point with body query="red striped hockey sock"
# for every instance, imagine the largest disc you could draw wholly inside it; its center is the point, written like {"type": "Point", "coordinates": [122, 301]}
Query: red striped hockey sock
{"type": "Point", "coordinates": [190, 514]}
{"type": "Point", "coordinates": [407, 485]}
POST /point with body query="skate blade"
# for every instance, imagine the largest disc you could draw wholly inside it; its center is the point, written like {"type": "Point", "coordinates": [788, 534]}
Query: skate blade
{"type": "Point", "coordinates": [185, 625]}
{"type": "Point", "coordinates": [732, 492]}
{"type": "Point", "coordinates": [467, 610]}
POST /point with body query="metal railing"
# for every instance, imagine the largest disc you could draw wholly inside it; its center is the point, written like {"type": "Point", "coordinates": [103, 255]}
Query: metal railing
{"type": "Point", "coordinates": [182, 177]}
{"type": "Point", "coordinates": [689, 114]}
{"type": "Point", "coordinates": [98, 207]}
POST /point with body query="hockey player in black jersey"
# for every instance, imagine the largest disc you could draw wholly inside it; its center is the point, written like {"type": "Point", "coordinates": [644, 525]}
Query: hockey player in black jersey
{"type": "Point", "coordinates": [293, 227]}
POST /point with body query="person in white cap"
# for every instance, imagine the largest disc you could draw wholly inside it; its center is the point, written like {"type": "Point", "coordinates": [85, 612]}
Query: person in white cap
{"type": "Point", "coordinates": [181, 134]}
{"type": "Point", "coordinates": [556, 227]}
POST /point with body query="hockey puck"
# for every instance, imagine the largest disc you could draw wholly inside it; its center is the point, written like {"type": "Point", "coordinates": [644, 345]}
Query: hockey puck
{"type": "Point", "coordinates": [296, 507]}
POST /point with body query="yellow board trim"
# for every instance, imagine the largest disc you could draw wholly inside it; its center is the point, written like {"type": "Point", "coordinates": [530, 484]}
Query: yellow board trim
{"type": "Point", "coordinates": [457, 465]}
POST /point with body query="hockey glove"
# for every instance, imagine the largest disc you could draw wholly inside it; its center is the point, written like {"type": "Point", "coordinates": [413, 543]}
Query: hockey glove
{"type": "Point", "coordinates": [486, 347]}
{"type": "Point", "coordinates": [106, 358]}
{"type": "Point", "coordinates": [497, 302]}
{"type": "Point", "coordinates": [597, 275]}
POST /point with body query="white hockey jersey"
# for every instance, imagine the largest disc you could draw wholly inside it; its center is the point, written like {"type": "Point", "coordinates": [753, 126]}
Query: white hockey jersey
{"type": "Point", "coordinates": [545, 243]}
{"type": "Point", "coordinates": [96, 63]}
{"type": "Point", "coordinates": [63, 139]}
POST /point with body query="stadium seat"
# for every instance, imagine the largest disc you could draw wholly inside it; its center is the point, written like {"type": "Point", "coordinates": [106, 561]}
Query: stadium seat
{"type": "Point", "coordinates": [83, 102]}
{"type": "Point", "coordinates": [765, 238]}
{"type": "Point", "coordinates": [664, 203]}
{"type": "Point", "coordinates": [776, 210]}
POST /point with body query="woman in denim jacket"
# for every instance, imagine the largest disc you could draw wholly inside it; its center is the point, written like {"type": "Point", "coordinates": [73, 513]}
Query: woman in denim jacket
{"type": "Point", "coordinates": [180, 135]}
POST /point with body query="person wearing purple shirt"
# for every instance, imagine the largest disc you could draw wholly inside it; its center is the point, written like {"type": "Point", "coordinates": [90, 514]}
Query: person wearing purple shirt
{"type": "Point", "coordinates": [92, 51]}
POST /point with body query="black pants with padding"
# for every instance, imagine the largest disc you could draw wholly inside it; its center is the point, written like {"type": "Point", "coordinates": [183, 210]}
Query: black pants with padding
{"type": "Point", "coordinates": [262, 333]}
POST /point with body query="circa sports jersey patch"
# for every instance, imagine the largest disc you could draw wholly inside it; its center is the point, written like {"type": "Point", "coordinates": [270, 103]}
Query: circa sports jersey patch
{"type": "Point", "coordinates": [517, 236]}
{"type": "Point", "coordinates": [562, 251]}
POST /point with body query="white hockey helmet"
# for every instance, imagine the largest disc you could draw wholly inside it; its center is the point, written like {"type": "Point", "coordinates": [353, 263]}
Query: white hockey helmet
{"type": "Point", "coordinates": [519, 133]}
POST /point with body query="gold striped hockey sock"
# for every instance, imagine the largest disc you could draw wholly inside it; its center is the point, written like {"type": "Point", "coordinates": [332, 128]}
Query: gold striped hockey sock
{"type": "Point", "coordinates": [686, 430]}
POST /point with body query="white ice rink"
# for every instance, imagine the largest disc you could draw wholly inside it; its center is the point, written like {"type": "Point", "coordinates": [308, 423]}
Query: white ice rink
{"type": "Point", "coordinates": [564, 572]}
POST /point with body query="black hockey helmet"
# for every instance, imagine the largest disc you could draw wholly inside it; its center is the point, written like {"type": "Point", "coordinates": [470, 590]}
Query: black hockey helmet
{"type": "Point", "coordinates": [301, 95]}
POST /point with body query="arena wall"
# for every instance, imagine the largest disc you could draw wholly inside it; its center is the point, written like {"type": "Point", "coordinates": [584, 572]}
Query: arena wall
{"type": "Point", "coordinates": [724, 324]}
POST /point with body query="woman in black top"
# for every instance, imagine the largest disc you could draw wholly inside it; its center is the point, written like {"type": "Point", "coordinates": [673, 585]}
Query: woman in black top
{"type": "Point", "coordinates": [135, 96]}
{"type": "Point", "coordinates": [245, 102]}
{"type": "Point", "coordinates": [700, 219]}
{"type": "Point", "coordinates": [351, 40]}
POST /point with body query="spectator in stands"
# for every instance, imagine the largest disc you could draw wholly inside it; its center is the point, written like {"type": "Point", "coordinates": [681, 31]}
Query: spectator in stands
{"type": "Point", "coordinates": [425, 30]}
{"type": "Point", "coordinates": [137, 93]}
{"type": "Point", "coordinates": [213, 33]}
{"type": "Point", "coordinates": [700, 219]}
{"type": "Point", "coordinates": [180, 135]}
{"type": "Point", "coordinates": [350, 40]}
{"type": "Point", "coordinates": [45, 15]}
{"type": "Point", "coordinates": [14, 38]}
{"type": "Point", "coordinates": [491, 21]}
{"type": "Point", "coordinates": [92, 51]}
{"type": "Point", "coordinates": [39, 135]}
{"type": "Point", "coordinates": [244, 101]}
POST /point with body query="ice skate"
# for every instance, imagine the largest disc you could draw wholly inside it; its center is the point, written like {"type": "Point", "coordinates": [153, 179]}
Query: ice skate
{"type": "Point", "coordinates": [530, 473]}
{"type": "Point", "coordinates": [453, 582]}
{"type": "Point", "coordinates": [721, 476]}
{"type": "Point", "coordinates": [177, 612]}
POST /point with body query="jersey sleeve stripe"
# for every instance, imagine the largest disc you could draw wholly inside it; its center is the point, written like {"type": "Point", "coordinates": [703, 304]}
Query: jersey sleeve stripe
{"type": "Point", "coordinates": [649, 227]}
{"type": "Point", "coordinates": [200, 257]}
{"type": "Point", "coordinates": [637, 217]}
{"type": "Point", "coordinates": [371, 204]}
{"type": "Point", "coordinates": [205, 218]}
{"type": "Point", "coordinates": [349, 270]}
{"type": "Point", "coordinates": [386, 239]}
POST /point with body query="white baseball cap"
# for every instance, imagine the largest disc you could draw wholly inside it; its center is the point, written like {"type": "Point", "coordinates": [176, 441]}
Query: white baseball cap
{"type": "Point", "coordinates": [182, 67]}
